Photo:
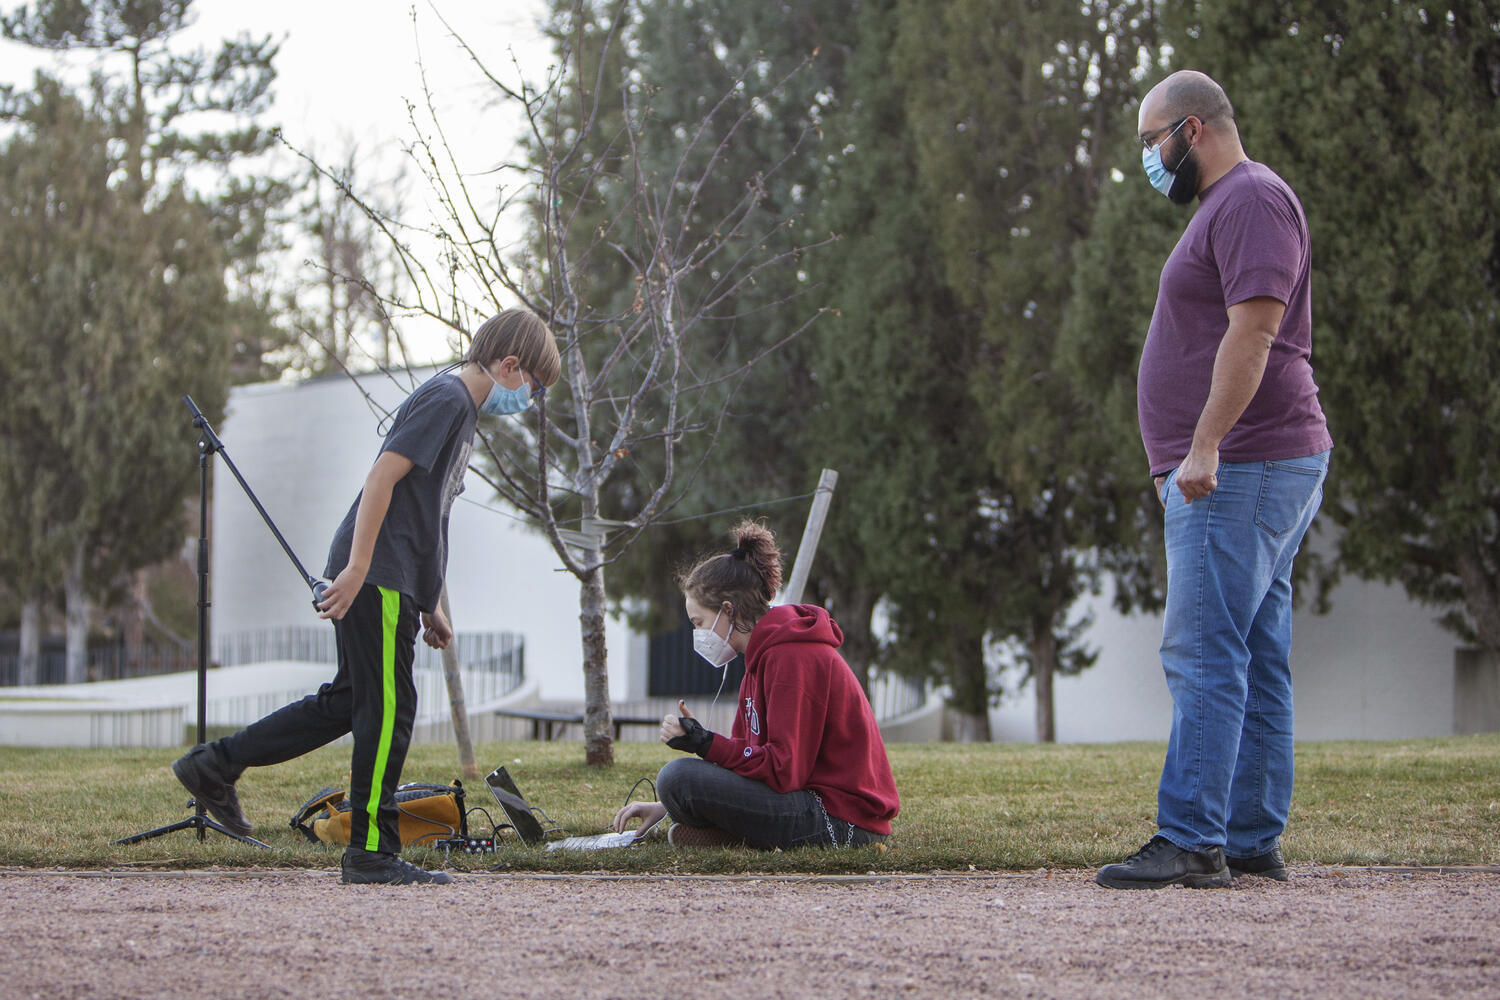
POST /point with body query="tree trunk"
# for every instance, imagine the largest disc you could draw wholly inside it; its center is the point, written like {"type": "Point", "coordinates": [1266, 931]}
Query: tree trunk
{"type": "Point", "coordinates": [1043, 669]}
{"type": "Point", "coordinates": [134, 626]}
{"type": "Point", "coordinates": [598, 726]}
{"type": "Point", "coordinates": [30, 660]}
{"type": "Point", "coordinates": [854, 613]}
{"type": "Point", "coordinates": [1481, 597]}
{"type": "Point", "coordinates": [456, 703]}
{"type": "Point", "coordinates": [970, 700]}
{"type": "Point", "coordinates": [77, 629]}
{"type": "Point", "coordinates": [135, 150]}
{"type": "Point", "coordinates": [970, 728]}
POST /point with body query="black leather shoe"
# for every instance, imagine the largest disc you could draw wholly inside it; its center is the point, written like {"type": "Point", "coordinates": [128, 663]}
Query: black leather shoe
{"type": "Point", "coordinates": [374, 868]}
{"type": "Point", "coordinates": [1268, 865]}
{"type": "Point", "coordinates": [1162, 863]}
{"type": "Point", "coordinates": [201, 773]}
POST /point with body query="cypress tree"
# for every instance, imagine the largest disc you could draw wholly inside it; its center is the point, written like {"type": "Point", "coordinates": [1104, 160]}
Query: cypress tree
{"type": "Point", "coordinates": [1014, 107]}
{"type": "Point", "coordinates": [1383, 118]}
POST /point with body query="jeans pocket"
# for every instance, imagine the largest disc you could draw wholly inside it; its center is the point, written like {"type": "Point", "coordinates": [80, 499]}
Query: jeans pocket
{"type": "Point", "coordinates": [1286, 491]}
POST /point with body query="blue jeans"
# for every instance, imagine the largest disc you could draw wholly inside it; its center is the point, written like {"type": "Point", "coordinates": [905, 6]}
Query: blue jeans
{"type": "Point", "coordinates": [1226, 649]}
{"type": "Point", "coordinates": [699, 793]}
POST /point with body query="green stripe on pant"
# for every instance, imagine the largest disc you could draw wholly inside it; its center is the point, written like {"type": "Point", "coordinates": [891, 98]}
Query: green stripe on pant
{"type": "Point", "coordinates": [390, 616]}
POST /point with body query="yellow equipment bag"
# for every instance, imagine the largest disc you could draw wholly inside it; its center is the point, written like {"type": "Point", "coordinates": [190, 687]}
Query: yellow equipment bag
{"type": "Point", "coordinates": [429, 813]}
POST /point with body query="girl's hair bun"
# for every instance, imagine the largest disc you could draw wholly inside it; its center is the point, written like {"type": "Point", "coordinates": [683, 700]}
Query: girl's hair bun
{"type": "Point", "coordinates": [758, 544]}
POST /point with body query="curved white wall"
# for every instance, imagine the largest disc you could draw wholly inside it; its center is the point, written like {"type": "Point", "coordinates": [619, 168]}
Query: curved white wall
{"type": "Point", "coordinates": [305, 448]}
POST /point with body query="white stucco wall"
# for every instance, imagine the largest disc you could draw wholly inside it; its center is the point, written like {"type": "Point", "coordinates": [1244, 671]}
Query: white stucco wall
{"type": "Point", "coordinates": [1376, 667]}
{"type": "Point", "coordinates": [305, 449]}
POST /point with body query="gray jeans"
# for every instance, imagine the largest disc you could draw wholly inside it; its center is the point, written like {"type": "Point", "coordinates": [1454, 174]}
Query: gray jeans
{"type": "Point", "coordinates": [699, 793]}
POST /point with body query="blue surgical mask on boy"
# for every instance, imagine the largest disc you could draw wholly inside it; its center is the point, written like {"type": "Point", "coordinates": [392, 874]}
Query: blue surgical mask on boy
{"type": "Point", "coordinates": [502, 401]}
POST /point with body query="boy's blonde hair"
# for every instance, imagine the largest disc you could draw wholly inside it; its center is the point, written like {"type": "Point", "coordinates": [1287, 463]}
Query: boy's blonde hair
{"type": "Point", "coordinates": [522, 333]}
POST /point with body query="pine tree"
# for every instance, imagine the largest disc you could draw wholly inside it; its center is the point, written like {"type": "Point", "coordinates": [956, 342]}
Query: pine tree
{"type": "Point", "coordinates": [885, 388]}
{"type": "Point", "coordinates": [162, 102]}
{"type": "Point", "coordinates": [163, 105]}
{"type": "Point", "coordinates": [892, 363]}
{"type": "Point", "coordinates": [771, 445]}
{"type": "Point", "coordinates": [109, 312]}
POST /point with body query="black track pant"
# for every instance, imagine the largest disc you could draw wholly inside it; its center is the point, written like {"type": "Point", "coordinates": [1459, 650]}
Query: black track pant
{"type": "Point", "coordinates": [372, 696]}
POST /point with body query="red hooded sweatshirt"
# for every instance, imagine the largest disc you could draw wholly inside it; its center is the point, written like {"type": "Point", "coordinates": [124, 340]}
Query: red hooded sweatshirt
{"type": "Point", "coordinates": [805, 723]}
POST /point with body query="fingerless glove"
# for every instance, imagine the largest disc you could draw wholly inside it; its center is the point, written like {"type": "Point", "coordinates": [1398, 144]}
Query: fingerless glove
{"type": "Point", "coordinates": [695, 739]}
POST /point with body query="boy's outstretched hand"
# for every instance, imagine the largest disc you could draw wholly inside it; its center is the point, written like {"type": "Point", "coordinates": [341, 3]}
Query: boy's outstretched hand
{"type": "Point", "coordinates": [436, 631]}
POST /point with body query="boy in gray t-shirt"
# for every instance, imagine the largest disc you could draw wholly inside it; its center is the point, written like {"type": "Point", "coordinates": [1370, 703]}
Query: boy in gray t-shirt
{"type": "Point", "coordinates": [387, 563]}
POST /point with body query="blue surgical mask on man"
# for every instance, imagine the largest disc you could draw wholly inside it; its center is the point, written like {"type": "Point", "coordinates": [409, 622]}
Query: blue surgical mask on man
{"type": "Point", "coordinates": [1159, 176]}
{"type": "Point", "coordinates": [502, 401]}
{"type": "Point", "coordinates": [1179, 185]}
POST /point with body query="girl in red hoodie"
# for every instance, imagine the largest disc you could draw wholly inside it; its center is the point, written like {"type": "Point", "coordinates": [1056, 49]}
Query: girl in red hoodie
{"type": "Point", "coordinates": [804, 762]}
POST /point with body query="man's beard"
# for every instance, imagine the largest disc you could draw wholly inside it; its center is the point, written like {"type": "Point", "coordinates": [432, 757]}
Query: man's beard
{"type": "Point", "coordinates": [1184, 179]}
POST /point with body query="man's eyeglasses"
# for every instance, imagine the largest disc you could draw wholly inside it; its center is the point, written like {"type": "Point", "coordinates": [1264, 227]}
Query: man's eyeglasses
{"type": "Point", "coordinates": [540, 390]}
{"type": "Point", "coordinates": [1150, 139]}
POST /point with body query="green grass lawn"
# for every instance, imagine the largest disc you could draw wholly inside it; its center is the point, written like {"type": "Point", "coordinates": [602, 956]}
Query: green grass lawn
{"type": "Point", "coordinates": [992, 807]}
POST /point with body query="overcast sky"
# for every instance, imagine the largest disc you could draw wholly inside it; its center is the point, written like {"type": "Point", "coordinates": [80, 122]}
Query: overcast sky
{"type": "Point", "coordinates": [347, 69]}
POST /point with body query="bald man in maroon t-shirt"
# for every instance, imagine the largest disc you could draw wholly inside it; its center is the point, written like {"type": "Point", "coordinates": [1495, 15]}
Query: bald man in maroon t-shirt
{"type": "Point", "coordinates": [1238, 447]}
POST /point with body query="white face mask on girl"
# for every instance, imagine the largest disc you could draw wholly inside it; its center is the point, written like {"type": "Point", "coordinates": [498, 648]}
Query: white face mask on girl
{"type": "Point", "coordinates": [712, 646]}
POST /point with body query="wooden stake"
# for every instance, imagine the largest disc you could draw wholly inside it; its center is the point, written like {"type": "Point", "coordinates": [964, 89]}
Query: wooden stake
{"type": "Point", "coordinates": [455, 682]}
{"type": "Point", "coordinates": [808, 548]}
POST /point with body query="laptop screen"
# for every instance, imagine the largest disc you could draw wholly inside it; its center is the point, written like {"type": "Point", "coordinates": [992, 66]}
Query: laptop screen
{"type": "Point", "coordinates": [508, 797]}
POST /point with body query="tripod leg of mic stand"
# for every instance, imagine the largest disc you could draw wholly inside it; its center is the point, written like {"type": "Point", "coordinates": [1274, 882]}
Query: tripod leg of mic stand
{"type": "Point", "coordinates": [214, 824]}
{"type": "Point", "coordinates": [191, 823]}
{"type": "Point", "coordinates": [198, 821]}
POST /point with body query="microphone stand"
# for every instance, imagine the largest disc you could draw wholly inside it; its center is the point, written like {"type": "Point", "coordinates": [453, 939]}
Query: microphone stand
{"type": "Point", "coordinates": [208, 445]}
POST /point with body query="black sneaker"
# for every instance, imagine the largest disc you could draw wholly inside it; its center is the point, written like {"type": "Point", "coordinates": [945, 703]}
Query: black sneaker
{"type": "Point", "coordinates": [1268, 865]}
{"type": "Point", "coordinates": [1161, 863]}
{"type": "Point", "coordinates": [374, 868]}
{"type": "Point", "coordinates": [201, 773]}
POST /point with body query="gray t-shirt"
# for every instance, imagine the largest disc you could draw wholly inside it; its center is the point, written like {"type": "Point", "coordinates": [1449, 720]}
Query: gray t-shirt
{"type": "Point", "coordinates": [435, 429]}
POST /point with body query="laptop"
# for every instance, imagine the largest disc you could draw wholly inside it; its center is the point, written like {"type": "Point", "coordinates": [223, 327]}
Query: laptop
{"type": "Point", "coordinates": [508, 797]}
{"type": "Point", "coordinates": [602, 841]}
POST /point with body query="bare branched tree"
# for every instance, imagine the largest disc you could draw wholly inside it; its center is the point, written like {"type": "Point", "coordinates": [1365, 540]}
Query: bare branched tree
{"type": "Point", "coordinates": [638, 262]}
{"type": "Point", "coordinates": [342, 315]}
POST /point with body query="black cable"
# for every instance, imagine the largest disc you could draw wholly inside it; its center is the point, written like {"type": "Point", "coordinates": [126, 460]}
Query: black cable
{"type": "Point", "coordinates": [631, 794]}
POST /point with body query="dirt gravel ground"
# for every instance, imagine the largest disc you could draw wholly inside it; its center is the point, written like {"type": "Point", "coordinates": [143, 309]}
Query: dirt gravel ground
{"type": "Point", "coordinates": [1328, 933]}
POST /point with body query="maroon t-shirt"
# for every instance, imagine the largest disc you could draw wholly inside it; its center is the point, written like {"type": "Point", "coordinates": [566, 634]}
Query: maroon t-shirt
{"type": "Point", "coordinates": [1247, 239]}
